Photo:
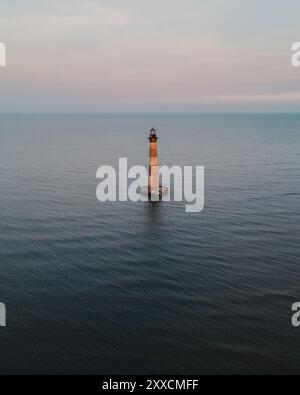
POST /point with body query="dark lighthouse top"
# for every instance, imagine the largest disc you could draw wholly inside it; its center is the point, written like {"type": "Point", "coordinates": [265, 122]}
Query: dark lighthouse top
{"type": "Point", "coordinates": [153, 136]}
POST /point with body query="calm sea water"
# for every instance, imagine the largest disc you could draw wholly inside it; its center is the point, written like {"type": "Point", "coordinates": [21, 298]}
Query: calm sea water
{"type": "Point", "coordinates": [137, 288]}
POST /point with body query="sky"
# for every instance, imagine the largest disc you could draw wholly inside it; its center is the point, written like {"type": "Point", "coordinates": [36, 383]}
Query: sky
{"type": "Point", "coordinates": [106, 56]}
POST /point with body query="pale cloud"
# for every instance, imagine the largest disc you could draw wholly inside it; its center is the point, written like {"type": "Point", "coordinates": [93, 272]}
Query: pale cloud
{"type": "Point", "coordinates": [132, 55]}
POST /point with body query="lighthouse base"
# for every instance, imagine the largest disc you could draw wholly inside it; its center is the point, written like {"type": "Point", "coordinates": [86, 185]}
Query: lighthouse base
{"type": "Point", "coordinates": [156, 192]}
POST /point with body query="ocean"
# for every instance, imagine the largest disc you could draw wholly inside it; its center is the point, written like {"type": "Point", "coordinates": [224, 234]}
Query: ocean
{"type": "Point", "coordinates": [141, 288]}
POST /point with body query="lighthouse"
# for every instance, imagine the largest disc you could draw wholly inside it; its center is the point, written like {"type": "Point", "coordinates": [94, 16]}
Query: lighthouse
{"type": "Point", "coordinates": [153, 184]}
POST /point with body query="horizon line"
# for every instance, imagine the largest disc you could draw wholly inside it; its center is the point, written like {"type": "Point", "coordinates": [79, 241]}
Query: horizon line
{"type": "Point", "coordinates": [155, 113]}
